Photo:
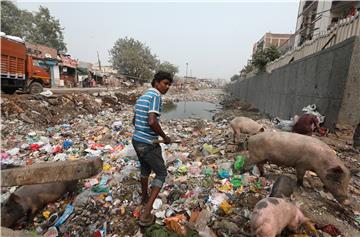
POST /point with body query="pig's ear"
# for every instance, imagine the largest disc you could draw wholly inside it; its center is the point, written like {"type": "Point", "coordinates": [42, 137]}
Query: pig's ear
{"type": "Point", "coordinates": [335, 173]}
{"type": "Point", "coordinates": [336, 170]}
{"type": "Point", "coordinates": [14, 197]}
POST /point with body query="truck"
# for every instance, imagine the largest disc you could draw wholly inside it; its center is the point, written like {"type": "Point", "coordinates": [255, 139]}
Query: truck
{"type": "Point", "coordinates": [19, 70]}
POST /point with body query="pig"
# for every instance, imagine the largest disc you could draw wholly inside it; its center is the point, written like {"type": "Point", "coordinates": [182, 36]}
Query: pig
{"type": "Point", "coordinates": [283, 187]}
{"type": "Point", "coordinates": [271, 215]}
{"type": "Point", "coordinates": [303, 153]}
{"type": "Point", "coordinates": [29, 199]}
{"type": "Point", "coordinates": [246, 126]}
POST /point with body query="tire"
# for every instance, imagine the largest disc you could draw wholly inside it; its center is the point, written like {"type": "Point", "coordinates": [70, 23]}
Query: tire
{"type": "Point", "coordinates": [35, 88]}
{"type": "Point", "coordinates": [9, 90]}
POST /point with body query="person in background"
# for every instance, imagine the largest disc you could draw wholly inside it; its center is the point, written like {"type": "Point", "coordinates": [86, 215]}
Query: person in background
{"type": "Point", "coordinates": [356, 137]}
{"type": "Point", "coordinates": [306, 124]}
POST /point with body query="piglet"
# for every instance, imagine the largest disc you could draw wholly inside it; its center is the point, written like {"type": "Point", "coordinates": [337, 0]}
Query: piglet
{"type": "Point", "coordinates": [29, 199]}
{"type": "Point", "coordinates": [303, 153]}
{"type": "Point", "coordinates": [246, 126]}
{"type": "Point", "coordinates": [271, 216]}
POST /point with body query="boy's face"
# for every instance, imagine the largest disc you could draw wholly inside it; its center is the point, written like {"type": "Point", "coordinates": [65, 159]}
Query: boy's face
{"type": "Point", "coordinates": [163, 86]}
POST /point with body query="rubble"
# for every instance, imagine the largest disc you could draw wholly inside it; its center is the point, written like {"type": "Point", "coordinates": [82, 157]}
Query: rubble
{"type": "Point", "coordinates": [205, 193]}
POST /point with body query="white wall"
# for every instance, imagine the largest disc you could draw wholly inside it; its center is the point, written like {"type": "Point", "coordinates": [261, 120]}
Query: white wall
{"type": "Point", "coordinates": [325, 19]}
{"type": "Point", "coordinates": [57, 75]}
{"type": "Point", "coordinates": [298, 22]}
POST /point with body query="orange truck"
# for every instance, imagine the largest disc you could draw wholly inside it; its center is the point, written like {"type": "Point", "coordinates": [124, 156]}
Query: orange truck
{"type": "Point", "coordinates": [20, 70]}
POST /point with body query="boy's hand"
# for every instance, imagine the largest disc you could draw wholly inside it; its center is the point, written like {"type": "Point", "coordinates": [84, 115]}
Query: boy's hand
{"type": "Point", "coordinates": [167, 140]}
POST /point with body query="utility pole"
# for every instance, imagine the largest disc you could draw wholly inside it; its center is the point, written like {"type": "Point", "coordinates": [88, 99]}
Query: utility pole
{"type": "Point", "coordinates": [99, 60]}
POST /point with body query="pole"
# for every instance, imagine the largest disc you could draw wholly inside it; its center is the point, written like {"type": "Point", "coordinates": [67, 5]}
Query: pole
{"type": "Point", "coordinates": [187, 64]}
{"type": "Point", "coordinates": [99, 60]}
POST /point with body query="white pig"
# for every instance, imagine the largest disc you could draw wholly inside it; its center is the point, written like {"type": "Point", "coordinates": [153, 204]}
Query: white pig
{"type": "Point", "coordinates": [246, 126]}
{"type": "Point", "coordinates": [303, 153]}
{"type": "Point", "coordinates": [271, 216]}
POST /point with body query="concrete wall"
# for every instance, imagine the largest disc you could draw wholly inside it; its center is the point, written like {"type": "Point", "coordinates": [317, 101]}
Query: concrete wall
{"type": "Point", "coordinates": [350, 107]}
{"type": "Point", "coordinates": [327, 78]}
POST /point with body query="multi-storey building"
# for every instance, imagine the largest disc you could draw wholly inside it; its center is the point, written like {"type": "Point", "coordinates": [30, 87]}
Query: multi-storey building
{"type": "Point", "coordinates": [318, 16]}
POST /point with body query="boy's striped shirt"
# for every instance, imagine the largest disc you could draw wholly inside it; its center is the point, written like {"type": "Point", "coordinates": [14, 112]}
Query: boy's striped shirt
{"type": "Point", "coordinates": [149, 102]}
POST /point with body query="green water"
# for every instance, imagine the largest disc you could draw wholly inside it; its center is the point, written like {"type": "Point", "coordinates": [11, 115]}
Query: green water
{"type": "Point", "coordinates": [189, 109]}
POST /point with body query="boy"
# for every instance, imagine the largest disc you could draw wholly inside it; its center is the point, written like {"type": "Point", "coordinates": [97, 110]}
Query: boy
{"type": "Point", "coordinates": [147, 130]}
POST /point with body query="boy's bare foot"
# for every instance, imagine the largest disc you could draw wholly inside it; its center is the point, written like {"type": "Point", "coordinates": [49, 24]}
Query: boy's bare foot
{"type": "Point", "coordinates": [146, 219]}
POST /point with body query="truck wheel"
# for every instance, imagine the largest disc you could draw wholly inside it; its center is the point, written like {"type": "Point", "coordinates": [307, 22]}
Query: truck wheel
{"type": "Point", "coordinates": [9, 90]}
{"type": "Point", "coordinates": [35, 88]}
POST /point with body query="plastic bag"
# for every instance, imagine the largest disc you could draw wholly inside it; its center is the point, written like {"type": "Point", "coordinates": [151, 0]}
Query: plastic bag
{"type": "Point", "coordinates": [226, 207]}
{"type": "Point", "coordinates": [210, 149]}
{"type": "Point", "coordinates": [285, 125]}
{"type": "Point", "coordinates": [47, 93]}
{"type": "Point", "coordinates": [128, 151]}
{"type": "Point", "coordinates": [125, 173]}
{"type": "Point", "coordinates": [312, 109]}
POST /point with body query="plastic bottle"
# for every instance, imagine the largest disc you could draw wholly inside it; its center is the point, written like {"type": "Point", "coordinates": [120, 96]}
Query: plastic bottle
{"type": "Point", "coordinates": [239, 163]}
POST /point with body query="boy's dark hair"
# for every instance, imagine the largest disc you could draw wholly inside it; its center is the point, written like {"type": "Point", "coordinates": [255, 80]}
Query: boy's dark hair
{"type": "Point", "coordinates": [162, 75]}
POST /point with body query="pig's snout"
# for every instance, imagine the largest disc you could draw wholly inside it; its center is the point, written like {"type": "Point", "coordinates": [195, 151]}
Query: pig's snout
{"type": "Point", "coordinates": [345, 202]}
{"type": "Point", "coordinates": [342, 199]}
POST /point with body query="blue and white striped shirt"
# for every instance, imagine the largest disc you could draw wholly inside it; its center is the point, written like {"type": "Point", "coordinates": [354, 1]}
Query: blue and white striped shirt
{"type": "Point", "coordinates": [149, 102]}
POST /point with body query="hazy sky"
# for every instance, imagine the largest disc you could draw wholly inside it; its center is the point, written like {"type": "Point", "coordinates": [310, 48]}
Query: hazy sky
{"type": "Point", "coordinates": [215, 38]}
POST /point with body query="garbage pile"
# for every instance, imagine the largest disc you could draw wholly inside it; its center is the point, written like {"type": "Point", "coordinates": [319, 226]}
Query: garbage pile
{"type": "Point", "coordinates": [182, 94]}
{"type": "Point", "coordinates": [205, 193]}
{"type": "Point", "coordinates": [53, 109]}
{"type": "Point", "coordinates": [115, 191]}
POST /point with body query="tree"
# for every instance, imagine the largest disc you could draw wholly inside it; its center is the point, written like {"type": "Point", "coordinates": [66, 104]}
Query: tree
{"type": "Point", "coordinates": [130, 57]}
{"type": "Point", "coordinates": [47, 31]}
{"type": "Point", "coordinates": [14, 21]}
{"type": "Point", "coordinates": [262, 57]}
{"type": "Point", "coordinates": [246, 70]}
{"type": "Point", "coordinates": [168, 67]}
{"type": "Point", "coordinates": [40, 28]}
{"type": "Point", "coordinates": [235, 77]}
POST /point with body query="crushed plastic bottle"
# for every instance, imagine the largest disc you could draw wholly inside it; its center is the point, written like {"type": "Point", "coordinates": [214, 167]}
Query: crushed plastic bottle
{"type": "Point", "coordinates": [236, 183]}
{"type": "Point", "coordinates": [223, 174]}
{"type": "Point", "coordinates": [239, 163]}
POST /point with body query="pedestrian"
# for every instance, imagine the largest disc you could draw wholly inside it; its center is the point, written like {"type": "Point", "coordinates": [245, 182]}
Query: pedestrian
{"type": "Point", "coordinates": [356, 137]}
{"type": "Point", "coordinates": [306, 124]}
{"type": "Point", "coordinates": [147, 130]}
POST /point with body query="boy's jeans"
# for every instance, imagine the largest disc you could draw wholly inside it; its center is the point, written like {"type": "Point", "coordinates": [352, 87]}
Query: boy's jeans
{"type": "Point", "coordinates": [151, 160]}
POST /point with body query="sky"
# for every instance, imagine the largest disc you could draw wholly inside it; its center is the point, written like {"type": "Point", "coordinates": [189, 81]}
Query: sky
{"type": "Point", "coordinates": [214, 38]}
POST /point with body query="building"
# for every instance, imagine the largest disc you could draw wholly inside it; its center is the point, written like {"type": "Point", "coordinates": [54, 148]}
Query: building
{"type": "Point", "coordinates": [68, 71]}
{"type": "Point", "coordinates": [50, 57]}
{"type": "Point", "coordinates": [104, 69]}
{"type": "Point", "coordinates": [84, 76]}
{"type": "Point", "coordinates": [315, 17]}
{"type": "Point", "coordinates": [270, 39]}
